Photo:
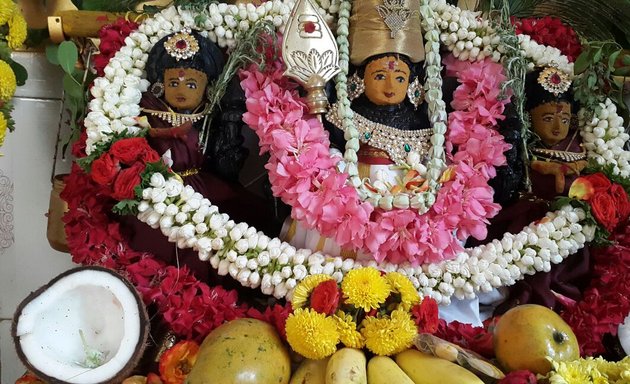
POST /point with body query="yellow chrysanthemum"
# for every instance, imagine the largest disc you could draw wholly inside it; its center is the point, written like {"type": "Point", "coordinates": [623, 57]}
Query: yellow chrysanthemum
{"type": "Point", "coordinates": [17, 31]}
{"type": "Point", "coordinates": [7, 81]}
{"type": "Point", "coordinates": [388, 336]}
{"type": "Point", "coordinates": [400, 284]}
{"type": "Point", "coordinates": [3, 128]}
{"type": "Point", "coordinates": [311, 334]}
{"type": "Point", "coordinates": [302, 291]}
{"type": "Point", "coordinates": [348, 333]}
{"type": "Point", "coordinates": [570, 372]}
{"type": "Point", "coordinates": [7, 9]}
{"type": "Point", "coordinates": [365, 288]}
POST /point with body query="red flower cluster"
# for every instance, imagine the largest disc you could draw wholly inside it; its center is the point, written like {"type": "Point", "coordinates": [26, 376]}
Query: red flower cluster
{"type": "Point", "coordinates": [477, 339]}
{"type": "Point", "coordinates": [550, 31]}
{"type": "Point", "coordinates": [425, 315]}
{"type": "Point", "coordinates": [122, 166]}
{"type": "Point", "coordinates": [189, 307]}
{"type": "Point", "coordinates": [609, 201]}
{"type": "Point", "coordinates": [325, 297]}
{"type": "Point", "coordinates": [112, 39]}
{"type": "Point", "coordinates": [276, 316]}
{"type": "Point", "coordinates": [606, 302]}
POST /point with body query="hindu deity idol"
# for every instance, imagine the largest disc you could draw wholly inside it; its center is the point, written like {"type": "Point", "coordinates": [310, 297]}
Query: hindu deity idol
{"type": "Point", "coordinates": [386, 96]}
{"type": "Point", "coordinates": [206, 154]}
{"type": "Point", "coordinates": [556, 148]}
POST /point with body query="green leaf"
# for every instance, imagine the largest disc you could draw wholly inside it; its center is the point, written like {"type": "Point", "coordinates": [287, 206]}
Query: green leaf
{"type": "Point", "coordinates": [597, 56]}
{"type": "Point", "coordinates": [612, 59]}
{"type": "Point", "coordinates": [67, 56]}
{"type": "Point", "coordinates": [626, 59]}
{"type": "Point", "coordinates": [582, 63]}
{"type": "Point", "coordinates": [126, 207]}
{"type": "Point", "coordinates": [51, 54]}
{"type": "Point", "coordinates": [20, 72]}
{"type": "Point", "coordinates": [72, 87]}
{"type": "Point", "coordinates": [623, 71]}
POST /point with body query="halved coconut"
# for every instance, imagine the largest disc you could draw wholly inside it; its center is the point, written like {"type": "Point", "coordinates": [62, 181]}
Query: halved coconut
{"type": "Point", "coordinates": [88, 325]}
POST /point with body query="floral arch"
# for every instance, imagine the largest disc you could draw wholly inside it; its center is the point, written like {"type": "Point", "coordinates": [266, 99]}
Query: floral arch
{"type": "Point", "coordinates": [275, 267]}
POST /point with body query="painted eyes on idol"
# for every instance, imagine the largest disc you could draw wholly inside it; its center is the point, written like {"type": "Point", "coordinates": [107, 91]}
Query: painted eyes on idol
{"type": "Point", "coordinates": [550, 119]}
{"type": "Point", "coordinates": [189, 84]}
{"type": "Point", "coordinates": [380, 76]}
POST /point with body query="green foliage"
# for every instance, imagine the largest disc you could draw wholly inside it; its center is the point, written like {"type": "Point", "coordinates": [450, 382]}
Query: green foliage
{"type": "Point", "coordinates": [75, 83]}
{"type": "Point", "coordinates": [250, 48]}
{"type": "Point", "coordinates": [126, 207]}
{"type": "Point", "coordinates": [107, 5]}
{"type": "Point", "coordinates": [597, 66]}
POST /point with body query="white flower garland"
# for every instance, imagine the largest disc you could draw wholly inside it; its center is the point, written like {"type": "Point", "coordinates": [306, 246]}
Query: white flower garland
{"type": "Point", "coordinates": [257, 261]}
{"type": "Point", "coordinates": [604, 138]}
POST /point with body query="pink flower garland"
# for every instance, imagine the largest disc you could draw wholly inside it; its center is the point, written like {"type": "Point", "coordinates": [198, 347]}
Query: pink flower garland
{"type": "Point", "coordinates": [304, 175]}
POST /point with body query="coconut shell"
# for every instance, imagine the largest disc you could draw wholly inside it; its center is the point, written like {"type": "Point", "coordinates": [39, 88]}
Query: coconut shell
{"type": "Point", "coordinates": [139, 348]}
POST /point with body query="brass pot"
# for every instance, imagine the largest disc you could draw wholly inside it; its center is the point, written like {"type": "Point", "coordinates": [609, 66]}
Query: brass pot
{"type": "Point", "coordinates": [55, 231]}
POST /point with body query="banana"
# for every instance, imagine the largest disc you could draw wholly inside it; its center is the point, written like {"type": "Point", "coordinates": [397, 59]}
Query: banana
{"type": "Point", "coordinates": [427, 369]}
{"type": "Point", "coordinates": [383, 370]}
{"type": "Point", "coordinates": [346, 366]}
{"type": "Point", "coordinates": [310, 372]}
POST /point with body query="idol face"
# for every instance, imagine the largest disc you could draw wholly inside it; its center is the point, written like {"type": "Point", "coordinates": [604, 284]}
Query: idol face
{"type": "Point", "coordinates": [551, 121]}
{"type": "Point", "coordinates": [184, 88]}
{"type": "Point", "coordinates": [386, 80]}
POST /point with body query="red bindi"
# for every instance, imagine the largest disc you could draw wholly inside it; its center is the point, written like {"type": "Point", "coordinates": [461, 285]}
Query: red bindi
{"type": "Point", "coordinates": [558, 107]}
{"type": "Point", "coordinates": [309, 27]}
{"type": "Point", "coordinates": [392, 65]}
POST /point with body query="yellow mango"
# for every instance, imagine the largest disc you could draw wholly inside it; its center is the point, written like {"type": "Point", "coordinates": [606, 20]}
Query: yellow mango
{"type": "Point", "coordinates": [383, 370]}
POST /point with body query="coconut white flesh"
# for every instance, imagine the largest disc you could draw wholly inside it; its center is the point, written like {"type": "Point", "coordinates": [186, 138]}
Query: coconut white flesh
{"type": "Point", "coordinates": [624, 335]}
{"type": "Point", "coordinates": [96, 303]}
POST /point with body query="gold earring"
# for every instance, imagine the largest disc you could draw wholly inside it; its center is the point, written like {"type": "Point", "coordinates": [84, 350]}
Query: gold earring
{"type": "Point", "coordinates": [415, 93]}
{"type": "Point", "coordinates": [356, 86]}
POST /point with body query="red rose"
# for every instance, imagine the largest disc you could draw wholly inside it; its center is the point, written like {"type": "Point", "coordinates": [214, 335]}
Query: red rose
{"type": "Point", "coordinates": [599, 181]}
{"type": "Point", "coordinates": [519, 377]}
{"type": "Point", "coordinates": [622, 203]}
{"type": "Point", "coordinates": [128, 151]}
{"type": "Point", "coordinates": [105, 169]}
{"type": "Point", "coordinates": [325, 297]}
{"type": "Point", "coordinates": [603, 208]}
{"type": "Point", "coordinates": [426, 315]}
{"type": "Point", "coordinates": [126, 181]}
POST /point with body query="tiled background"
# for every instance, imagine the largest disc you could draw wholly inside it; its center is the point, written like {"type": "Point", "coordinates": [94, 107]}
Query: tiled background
{"type": "Point", "coordinates": [26, 165]}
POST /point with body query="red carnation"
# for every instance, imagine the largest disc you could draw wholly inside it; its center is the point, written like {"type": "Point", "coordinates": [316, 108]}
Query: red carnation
{"type": "Point", "coordinates": [426, 315]}
{"type": "Point", "coordinates": [325, 297]}
{"type": "Point", "coordinates": [127, 181]}
{"type": "Point", "coordinates": [128, 151]}
{"type": "Point", "coordinates": [622, 203]}
{"type": "Point", "coordinates": [105, 169]}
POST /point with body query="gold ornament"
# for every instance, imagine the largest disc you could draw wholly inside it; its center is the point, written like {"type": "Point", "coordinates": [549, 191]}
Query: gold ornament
{"type": "Point", "coordinates": [385, 26]}
{"type": "Point", "coordinates": [182, 45]}
{"type": "Point", "coordinates": [554, 80]}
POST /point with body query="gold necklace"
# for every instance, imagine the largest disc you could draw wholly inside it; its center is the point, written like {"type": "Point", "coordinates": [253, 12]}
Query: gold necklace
{"type": "Point", "coordinates": [175, 119]}
{"type": "Point", "coordinates": [396, 142]}
{"type": "Point", "coordinates": [561, 155]}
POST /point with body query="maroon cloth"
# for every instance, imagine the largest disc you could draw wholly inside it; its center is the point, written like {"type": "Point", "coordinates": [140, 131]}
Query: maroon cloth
{"type": "Point", "coordinates": [568, 279]}
{"type": "Point", "coordinates": [231, 198]}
